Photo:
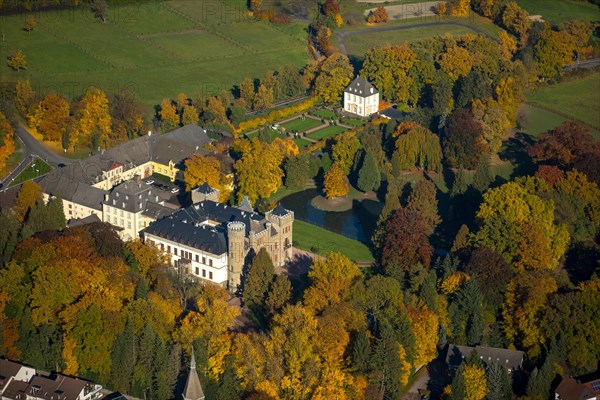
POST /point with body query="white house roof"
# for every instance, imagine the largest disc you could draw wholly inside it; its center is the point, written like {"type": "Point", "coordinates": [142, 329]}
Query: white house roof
{"type": "Point", "coordinates": [361, 87]}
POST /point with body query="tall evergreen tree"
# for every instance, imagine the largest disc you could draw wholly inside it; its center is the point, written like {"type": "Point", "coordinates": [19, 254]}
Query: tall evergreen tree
{"type": "Point", "coordinates": [483, 175]}
{"type": "Point", "coordinates": [162, 388]}
{"type": "Point", "coordinates": [423, 200]}
{"type": "Point", "coordinates": [297, 171]}
{"type": "Point", "coordinates": [123, 358]}
{"type": "Point", "coordinates": [369, 176]}
{"type": "Point", "coordinates": [386, 360]}
{"type": "Point", "coordinates": [279, 294]}
{"type": "Point", "coordinates": [540, 381]}
{"type": "Point", "coordinates": [459, 186]}
{"type": "Point", "coordinates": [499, 384]}
{"type": "Point", "coordinates": [229, 385]}
{"type": "Point", "coordinates": [259, 277]}
{"type": "Point", "coordinates": [55, 214]}
{"type": "Point", "coordinates": [9, 234]}
{"type": "Point", "coordinates": [361, 352]}
{"type": "Point", "coordinates": [142, 373]}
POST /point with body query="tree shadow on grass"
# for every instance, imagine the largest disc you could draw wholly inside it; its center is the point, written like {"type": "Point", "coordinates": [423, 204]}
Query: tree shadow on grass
{"type": "Point", "coordinates": [514, 150]}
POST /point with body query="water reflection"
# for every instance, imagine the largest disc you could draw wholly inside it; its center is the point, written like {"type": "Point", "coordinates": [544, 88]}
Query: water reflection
{"type": "Point", "coordinates": [357, 223]}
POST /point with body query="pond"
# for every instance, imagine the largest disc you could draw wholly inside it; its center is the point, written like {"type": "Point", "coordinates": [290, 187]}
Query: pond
{"type": "Point", "coordinates": [358, 223]}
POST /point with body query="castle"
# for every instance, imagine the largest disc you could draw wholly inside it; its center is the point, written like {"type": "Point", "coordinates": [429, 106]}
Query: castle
{"type": "Point", "coordinates": [211, 240]}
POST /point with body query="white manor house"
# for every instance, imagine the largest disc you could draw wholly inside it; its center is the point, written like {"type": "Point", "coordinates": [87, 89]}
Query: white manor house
{"type": "Point", "coordinates": [361, 98]}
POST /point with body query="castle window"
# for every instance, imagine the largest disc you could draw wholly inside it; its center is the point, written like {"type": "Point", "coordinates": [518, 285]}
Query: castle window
{"type": "Point", "coordinates": [197, 258]}
{"type": "Point", "coordinates": [204, 273]}
{"type": "Point", "coordinates": [203, 260]}
{"type": "Point", "coordinates": [175, 250]}
{"type": "Point", "coordinates": [168, 249]}
{"type": "Point", "coordinates": [210, 275]}
{"type": "Point", "coordinates": [197, 271]}
{"type": "Point", "coordinates": [210, 264]}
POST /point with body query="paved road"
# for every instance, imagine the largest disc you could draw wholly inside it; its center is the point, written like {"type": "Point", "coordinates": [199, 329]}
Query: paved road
{"type": "Point", "coordinates": [584, 64]}
{"type": "Point", "coordinates": [32, 146]}
{"type": "Point", "coordinates": [342, 35]}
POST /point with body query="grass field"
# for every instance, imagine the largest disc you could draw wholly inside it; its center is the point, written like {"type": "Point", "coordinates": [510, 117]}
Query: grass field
{"type": "Point", "coordinates": [324, 113]}
{"type": "Point", "coordinates": [156, 49]}
{"type": "Point", "coordinates": [301, 125]}
{"type": "Point", "coordinates": [358, 44]}
{"type": "Point", "coordinates": [537, 120]}
{"type": "Point", "coordinates": [300, 142]}
{"type": "Point", "coordinates": [557, 11]}
{"type": "Point", "coordinates": [579, 99]}
{"type": "Point", "coordinates": [353, 122]}
{"type": "Point", "coordinates": [38, 167]}
{"type": "Point", "coordinates": [321, 241]}
{"type": "Point", "coordinates": [272, 134]}
{"type": "Point", "coordinates": [327, 132]}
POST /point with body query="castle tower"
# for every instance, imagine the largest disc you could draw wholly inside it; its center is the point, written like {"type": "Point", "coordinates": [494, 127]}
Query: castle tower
{"type": "Point", "coordinates": [284, 220]}
{"type": "Point", "coordinates": [236, 232]}
{"type": "Point", "coordinates": [193, 388]}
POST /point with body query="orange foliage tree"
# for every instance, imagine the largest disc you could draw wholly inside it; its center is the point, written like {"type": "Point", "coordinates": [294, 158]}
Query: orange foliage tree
{"type": "Point", "coordinates": [335, 184]}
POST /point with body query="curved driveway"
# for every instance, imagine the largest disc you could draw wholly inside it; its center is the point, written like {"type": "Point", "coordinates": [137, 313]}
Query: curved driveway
{"type": "Point", "coordinates": [342, 35]}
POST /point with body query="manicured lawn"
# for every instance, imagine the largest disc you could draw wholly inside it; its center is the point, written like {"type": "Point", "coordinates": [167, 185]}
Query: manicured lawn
{"type": "Point", "coordinates": [324, 113]}
{"type": "Point", "coordinates": [579, 99]}
{"type": "Point", "coordinates": [321, 241]}
{"type": "Point", "coordinates": [353, 122]}
{"type": "Point", "coordinates": [272, 133]}
{"type": "Point", "coordinates": [557, 11]}
{"type": "Point", "coordinates": [300, 142]}
{"type": "Point", "coordinates": [301, 125]}
{"type": "Point", "coordinates": [326, 132]}
{"type": "Point", "coordinates": [164, 47]}
{"type": "Point", "coordinates": [358, 44]}
{"type": "Point", "coordinates": [536, 120]}
{"type": "Point", "coordinates": [36, 168]}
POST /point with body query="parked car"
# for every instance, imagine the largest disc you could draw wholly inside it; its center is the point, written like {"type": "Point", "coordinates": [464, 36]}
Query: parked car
{"type": "Point", "coordinates": [150, 182]}
{"type": "Point", "coordinates": [174, 190]}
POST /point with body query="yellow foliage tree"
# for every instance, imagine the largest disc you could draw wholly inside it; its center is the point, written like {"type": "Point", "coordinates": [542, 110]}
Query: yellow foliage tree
{"type": "Point", "coordinates": [168, 115]}
{"type": "Point", "coordinates": [475, 382]}
{"type": "Point", "coordinates": [454, 282]}
{"type": "Point", "coordinates": [189, 115]}
{"type": "Point", "coordinates": [200, 169]}
{"type": "Point", "coordinates": [50, 117]}
{"type": "Point", "coordinates": [424, 323]}
{"type": "Point", "coordinates": [456, 62]}
{"type": "Point", "coordinates": [335, 184]}
{"type": "Point", "coordinates": [7, 141]}
{"type": "Point", "coordinates": [507, 44]}
{"type": "Point", "coordinates": [258, 171]}
{"type": "Point", "coordinates": [460, 8]}
{"type": "Point", "coordinates": [93, 117]}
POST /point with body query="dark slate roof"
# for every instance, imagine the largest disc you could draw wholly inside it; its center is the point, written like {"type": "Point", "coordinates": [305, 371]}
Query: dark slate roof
{"type": "Point", "coordinates": [361, 87]}
{"type": "Point", "coordinates": [185, 226]}
{"type": "Point", "coordinates": [157, 211]}
{"type": "Point", "coordinates": [47, 388]}
{"type": "Point", "coordinates": [246, 205]}
{"type": "Point", "coordinates": [8, 369]}
{"type": "Point", "coordinates": [280, 211]}
{"type": "Point", "coordinates": [509, 358]}
{"type": "Point", "coordinates": [90, 219]}
{"type": "Point", "coordinates": [392, 113]}
{"type": "Point", "coordinates": [134, 196]}
{"type": "Point", "coordinates": [204, 189]}
{"type": "Point", "coordinates": [60, 184]}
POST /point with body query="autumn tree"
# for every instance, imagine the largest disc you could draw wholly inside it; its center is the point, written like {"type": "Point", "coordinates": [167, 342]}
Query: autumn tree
{"type": "Point", "coordinates": [16, 60]}
{"type": "Point", "coordinates": [201, 169]}
{"type": "Point", "coordinates": [418, 146]}
{"type": "Point", "coordinates": [28, 195]}
{"type": "Point", "coordinates": [335, 184]}
{"type": "Point", "coordinates": [494, 122]}
{"type": "Point", "coordinates": [406, 243]}
{"type": "Point", "coordinates": [553, 51]}
{"type": "Point", "coordinates": [491, 272]}
{"type": "Point", "coordinates": [25, 97]}
{"type": "Point", "coordinates": [331, 281]}
{"type": "Point", "coordinates": [260, 276]}
{"type": "Point", "coordinates": [520, 226]}
{"type": "Point", "coordinates": [378, 15]}
{"type": "Point", "coordinates": [93, 118]}
{"type": "Point", "coordinates": [508, 46]}
{"type": "Point", "coordinates": [127, 115]}
{"type": "Point", "coordinates": [456, 62]}
{"type": "Point", "coordinates": [343, 151]}
{"type": "Point", "coordinates": [7, 141]}
{"type": "Point", "coordinates": [389, 70]}
{"type": "Point", "coordinates": [30, 23]}
{"type": "Point", "coordinates": [470, 383]}
{"type": "Point", "coordinates": [517, 21]}
{"type": "Point", "coordinates": [168, 115]}
{"type": "Point", "coordinates": [50, 117]}
{"type": "Point", "coordinates": [258, 171]}
{"type": "Point", "coordinates": [462, 142]}
{"type": "Point", "coordinates": [247, 91]}
{"type": "Point", "coordinates": [263, 98]}
{"type": "Point", "coordinates": [423, 200]}
{"type": "Point", "coordinates": [330, 76]}
{"type": "Point", "coordinates": [189, 115]}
